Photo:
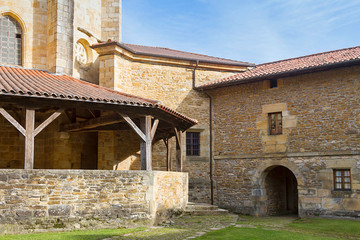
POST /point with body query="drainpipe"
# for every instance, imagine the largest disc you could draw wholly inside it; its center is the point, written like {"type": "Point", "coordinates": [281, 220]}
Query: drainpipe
{"type": "Point", "coordinates": [211, 134]}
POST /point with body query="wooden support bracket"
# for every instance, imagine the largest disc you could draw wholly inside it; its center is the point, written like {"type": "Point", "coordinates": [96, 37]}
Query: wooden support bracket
{"type": "Point", "coordinates": [29, 132]}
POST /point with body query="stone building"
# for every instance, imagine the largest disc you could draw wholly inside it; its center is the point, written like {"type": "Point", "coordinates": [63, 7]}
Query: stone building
{"type": "Point", "coordinates": [287, 136]}
{"type": "Point", "coordinates": [267, 139]}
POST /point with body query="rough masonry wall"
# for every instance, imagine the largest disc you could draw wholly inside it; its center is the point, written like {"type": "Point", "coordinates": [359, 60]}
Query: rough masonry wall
{"type": "Point", "coordinates": [321, 117]}
{"type": "Point", "coordinates": [74, 199]}
{"type": "Point", "coordinates": [324, 104]}
{"type": "Point", "coordinates": [241, 186]}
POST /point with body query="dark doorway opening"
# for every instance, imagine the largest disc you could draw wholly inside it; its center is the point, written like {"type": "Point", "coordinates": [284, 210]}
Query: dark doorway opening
{"type": "Point", "coordinates": [89, 153]}
{"type": "Point", "coordinates": [281, 191]}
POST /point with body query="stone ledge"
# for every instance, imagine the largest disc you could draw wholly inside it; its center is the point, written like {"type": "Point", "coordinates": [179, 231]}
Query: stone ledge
{"type": "Point", "coordinates": [286, 155]}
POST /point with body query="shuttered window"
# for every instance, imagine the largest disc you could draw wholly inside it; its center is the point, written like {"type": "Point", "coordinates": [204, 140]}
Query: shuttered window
{"type": "Point", "coordinates": [275, 123]}
{"type": "Point", "coordinates": [11, 41]}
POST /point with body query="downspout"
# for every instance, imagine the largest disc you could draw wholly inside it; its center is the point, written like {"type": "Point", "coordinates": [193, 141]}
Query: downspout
{"type": "Point", "coordinates": [211, 149]}
{"type": "Point", "coordinates": [211, 134]}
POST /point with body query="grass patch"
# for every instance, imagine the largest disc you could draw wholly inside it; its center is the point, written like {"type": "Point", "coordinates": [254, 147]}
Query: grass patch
{"type": "Point", "coordinates": [278, 228]}
{"type": "Point", "coordinates": [73, 235]}
{"type": "Point", "coordinates": [235, 233]}
{"type": "Point", "coordinates": [343, 228]}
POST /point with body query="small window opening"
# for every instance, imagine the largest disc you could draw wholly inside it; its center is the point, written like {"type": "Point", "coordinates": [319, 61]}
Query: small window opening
{"type": "Point", "coordinates": [193, 144]}
{"type": "Point", "coordinates": [273, 83]}
{"type": "Point", "coordinates": [275, 123]}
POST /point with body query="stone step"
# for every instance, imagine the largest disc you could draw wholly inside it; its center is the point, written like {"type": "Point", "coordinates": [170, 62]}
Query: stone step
{"type": "Point", "coordinates": [207, 212]}
{"type": "Point", "coordinates": [203, 209]}
{"type": "Point", "coordinates": [200, 206]}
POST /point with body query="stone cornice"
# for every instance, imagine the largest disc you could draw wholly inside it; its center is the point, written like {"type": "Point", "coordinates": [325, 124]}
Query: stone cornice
{"type": "Point", "coordinates": [118, 50]}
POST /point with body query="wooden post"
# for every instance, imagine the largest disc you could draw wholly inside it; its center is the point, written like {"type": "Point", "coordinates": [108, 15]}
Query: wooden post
{"type": "Point", "coordinates": [145, 146]}
{"type": "Point", "coordinates": [29, 139]}
{"type": "Point", "coordinates": [167, 142]}
{"type": "Point", "coordinates": [179, 152]}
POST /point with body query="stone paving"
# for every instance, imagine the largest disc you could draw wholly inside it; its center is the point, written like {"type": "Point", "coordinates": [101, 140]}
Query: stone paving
{"type": "Point", "coordinates": [184, 227]}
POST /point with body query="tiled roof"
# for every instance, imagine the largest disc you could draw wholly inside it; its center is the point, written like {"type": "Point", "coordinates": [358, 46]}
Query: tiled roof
{"type": "Point", "coordinates": [290, 66]}
{"type": "Point", "coordinates": [18, 81]}
{"type": "Point", "coordinates": [175, 54]}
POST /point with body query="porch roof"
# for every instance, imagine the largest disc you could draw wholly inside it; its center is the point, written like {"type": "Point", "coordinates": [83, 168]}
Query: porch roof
{"type": "Point", "coordinates": [48, 88]}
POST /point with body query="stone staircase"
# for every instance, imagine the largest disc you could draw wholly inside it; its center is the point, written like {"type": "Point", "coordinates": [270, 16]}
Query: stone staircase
{"type": "Point", "coordinates": [199, 209]}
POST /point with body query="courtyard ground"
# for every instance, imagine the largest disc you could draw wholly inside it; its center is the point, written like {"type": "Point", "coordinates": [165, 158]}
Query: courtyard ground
{"type": "Point", "coordinates": [218, 227]}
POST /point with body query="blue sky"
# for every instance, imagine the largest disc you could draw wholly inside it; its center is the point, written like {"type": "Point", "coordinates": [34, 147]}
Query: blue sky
{"type": "Point", "coordinates": [255, 31]}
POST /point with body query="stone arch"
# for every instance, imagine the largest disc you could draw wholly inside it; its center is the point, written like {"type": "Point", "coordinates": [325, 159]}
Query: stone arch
{"type": "Point", "coordinates": [262, 170]}
{"type": "Point", "coordinates": [16, 17]}
{"type": "Point", "coordinates": [86, 45]}
{"type": "Point", "coordinates": [259, 192]}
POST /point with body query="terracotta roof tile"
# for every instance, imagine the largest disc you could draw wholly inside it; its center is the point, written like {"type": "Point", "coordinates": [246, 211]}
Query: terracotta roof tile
{"type": "Point", "coordinates": [293, 65]}
{"type": "Point", "coordinates": [29, 82]}
{"type": "Point", "coordinates": [175, 54]}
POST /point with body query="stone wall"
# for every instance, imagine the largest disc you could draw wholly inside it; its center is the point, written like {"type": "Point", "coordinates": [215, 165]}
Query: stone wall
{"type": "Point", "coordinates": [172, 85]}
{"type": "Point", "coordinates": [321, 117]}
{"type": "Point", "coordinates": [320, 113]}
{"type": "Point", "coordinates": [241, 186]}
{"type": "Point", "coordinates": [73, 199]}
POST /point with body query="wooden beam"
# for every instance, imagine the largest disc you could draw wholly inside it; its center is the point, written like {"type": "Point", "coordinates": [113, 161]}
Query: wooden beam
{"type": "Point", "coordinates": [92, 123]}
{"type": "Point", "coordinates": [134, 126]}
{"type": "Point", "coordinates": [154, 127]}
{"type": "Point", "coordinates": [179, 151]}
{"type": "Point", "coordinates": [29, 139]}
{"type": "Point", "coordinates": [47, 122]}
{"type": "Point", "coordinates": [12, 120]}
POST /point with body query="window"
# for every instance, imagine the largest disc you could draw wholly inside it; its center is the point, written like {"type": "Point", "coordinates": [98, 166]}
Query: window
{"type": "Point", "coordinates": [11, 41]}
{"type": "Point", "coordinates": [342, 179]}
{"type": "Point", "coordinates": [273, 83]}
{"type": "Point", "coordinates": [192, 144]}
{"type": "Point", "coordinates": [275, 123]}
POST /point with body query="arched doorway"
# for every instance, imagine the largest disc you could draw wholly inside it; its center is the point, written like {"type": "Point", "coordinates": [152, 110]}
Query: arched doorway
{"type": "Point", "coordinates": [281, 191]}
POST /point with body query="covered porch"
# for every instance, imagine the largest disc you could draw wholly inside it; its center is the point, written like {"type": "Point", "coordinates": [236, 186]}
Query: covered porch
{"type": "Point", "coordinates": [57, 122]}
{"type": "Point", "coordinates": [66, 150]}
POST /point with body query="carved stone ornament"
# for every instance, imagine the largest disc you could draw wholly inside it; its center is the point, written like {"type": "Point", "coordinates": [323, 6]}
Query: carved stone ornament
{"type": "Point", "coordinates": [80, 53]}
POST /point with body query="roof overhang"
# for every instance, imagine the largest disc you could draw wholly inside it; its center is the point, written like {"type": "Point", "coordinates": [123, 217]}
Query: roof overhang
{"type": "Point", "coordinates": [279, 75]}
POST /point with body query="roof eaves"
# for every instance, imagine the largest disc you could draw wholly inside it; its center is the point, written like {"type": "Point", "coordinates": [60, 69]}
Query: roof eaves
{"type": "Point", "coordinates": [277, 75]}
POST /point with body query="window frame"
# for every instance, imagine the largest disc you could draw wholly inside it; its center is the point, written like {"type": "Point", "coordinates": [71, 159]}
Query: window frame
{"type": "Point", "coordinates": [278, 124]}
{"type": "Point", "coordinates": [18, 47]}
{"type": "Point", "coordinates": [192, 147]}
{"type": "Point", "coordinates": [342, 170]}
